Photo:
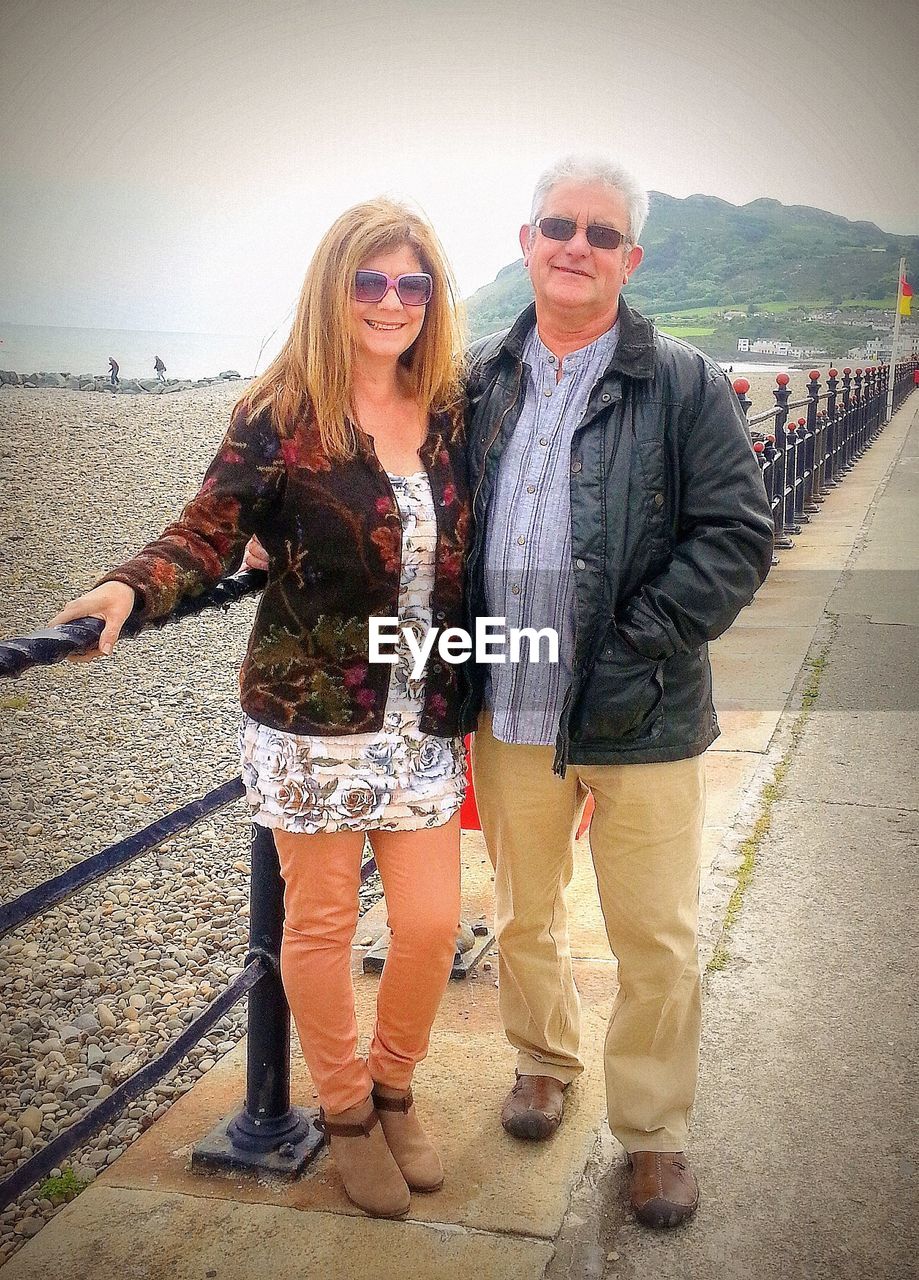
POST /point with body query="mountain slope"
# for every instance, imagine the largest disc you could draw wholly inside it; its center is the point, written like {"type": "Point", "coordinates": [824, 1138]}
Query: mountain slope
{"type": "Point", "coordinates": [703, 251]}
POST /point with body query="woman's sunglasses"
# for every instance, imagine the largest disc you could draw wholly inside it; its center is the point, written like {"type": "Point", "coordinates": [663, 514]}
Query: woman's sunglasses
{"type": "Point", "coordinates": [598, 236]}
{"type": "Point", "coordinates": [413, 290]}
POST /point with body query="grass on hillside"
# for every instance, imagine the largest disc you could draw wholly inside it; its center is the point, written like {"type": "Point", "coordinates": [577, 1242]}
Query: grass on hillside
{"type": "Point", "coordinates": [692, 314]}
{"type": "Point", "coordinates": [685, 330]}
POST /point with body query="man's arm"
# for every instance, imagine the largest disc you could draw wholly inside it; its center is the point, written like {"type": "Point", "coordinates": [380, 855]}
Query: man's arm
{"type": "Point", "coordinates": [724, 538]}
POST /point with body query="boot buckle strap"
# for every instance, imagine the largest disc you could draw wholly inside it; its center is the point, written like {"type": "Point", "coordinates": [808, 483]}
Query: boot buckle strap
{"type": "Point", "coordinates": [334, 1129]}
{"type": "Point", "coordinates": [403, 1104]}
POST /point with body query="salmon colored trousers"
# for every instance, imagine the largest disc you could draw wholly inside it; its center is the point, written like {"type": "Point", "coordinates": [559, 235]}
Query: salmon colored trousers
{"type": "Point", "coordinates": [420, 871]}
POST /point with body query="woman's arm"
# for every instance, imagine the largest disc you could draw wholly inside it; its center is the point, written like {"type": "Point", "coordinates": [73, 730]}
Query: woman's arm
{"type": "Point", "coordinates": [241, 488]}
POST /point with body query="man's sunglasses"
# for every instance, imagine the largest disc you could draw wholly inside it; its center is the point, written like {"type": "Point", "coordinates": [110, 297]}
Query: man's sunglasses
{"type": "Point", "coordinates": [412, 290]}
{"type": "Point", "coordinates": [598, 236]}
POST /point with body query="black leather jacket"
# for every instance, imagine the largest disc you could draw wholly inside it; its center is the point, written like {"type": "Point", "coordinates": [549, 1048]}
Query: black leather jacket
{"type": "Point", "coordinates": [671, 534]}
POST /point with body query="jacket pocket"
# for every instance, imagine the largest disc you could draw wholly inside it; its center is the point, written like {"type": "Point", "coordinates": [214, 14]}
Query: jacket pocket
{"type": "Point", "coordinates": [622, 698]}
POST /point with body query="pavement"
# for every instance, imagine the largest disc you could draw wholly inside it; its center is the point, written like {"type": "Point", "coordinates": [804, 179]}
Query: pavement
{"type": "Point", "coordinates": [803, 1135]}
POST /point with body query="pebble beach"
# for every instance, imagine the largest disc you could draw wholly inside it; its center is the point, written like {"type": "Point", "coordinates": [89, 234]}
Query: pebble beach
{"type": "Point", "coordinates": [89, 753]}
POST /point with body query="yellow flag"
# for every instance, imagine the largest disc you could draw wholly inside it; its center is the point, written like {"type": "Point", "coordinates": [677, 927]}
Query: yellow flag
{"type": "Point", "coordinates": [906, 298]}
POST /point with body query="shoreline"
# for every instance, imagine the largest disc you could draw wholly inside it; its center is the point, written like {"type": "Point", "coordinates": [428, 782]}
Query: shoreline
{"type": "Point", "coordinates": [46, 381]}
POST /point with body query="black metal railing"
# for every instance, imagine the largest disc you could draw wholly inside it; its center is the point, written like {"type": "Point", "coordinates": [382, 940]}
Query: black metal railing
{"type": "Point", "coordinates": [803, 458]}
{"type": "Point", "coordinates": [268, 1133]}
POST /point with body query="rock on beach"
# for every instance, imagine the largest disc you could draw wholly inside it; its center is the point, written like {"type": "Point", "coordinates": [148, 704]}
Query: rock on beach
{"type": "Point", "coordinates": [103, 383]}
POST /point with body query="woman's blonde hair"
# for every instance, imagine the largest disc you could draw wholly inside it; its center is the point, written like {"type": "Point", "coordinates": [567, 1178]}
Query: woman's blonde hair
{"type": "Point", "coordinates": [313, 373]}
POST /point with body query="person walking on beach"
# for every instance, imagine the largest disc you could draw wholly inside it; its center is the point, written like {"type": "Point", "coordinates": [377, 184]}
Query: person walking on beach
{"type": "Point", "coordinates": [160, 369]}
{"type": "Point", "coordinates": [619, 502]}
{"type": "Point", "coordinates": [113, 370]}
{"type": "Point", "coordinates": [346, 458]}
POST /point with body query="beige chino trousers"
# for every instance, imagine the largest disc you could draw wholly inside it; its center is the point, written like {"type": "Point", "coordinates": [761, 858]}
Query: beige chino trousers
{"type": "Point", "coordinates": [645, 842]}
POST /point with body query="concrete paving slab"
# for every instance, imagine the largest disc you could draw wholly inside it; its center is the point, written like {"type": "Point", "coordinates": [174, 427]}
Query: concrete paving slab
{"type": "Point", "coordinates": [494, 1183]}
{"type": "Point", "coordinates": [744, 728]}
{"type": "Point", "coordinates": [167, 1236]}
{"type": "Point", "coordinates": [819, 550]}
{"type": "Point", "coordinates": [803, 1130]}
{"type": "Point", "coordinates": [754, 671]}
{"type": "Point", "coordinates": [789, 598]}
{"type": "Point", "coordinates": [729, 776]}
{"type": "Point", "coordinates": [713, 840]}
{"type": "Point", "coordinates": [855, 721]}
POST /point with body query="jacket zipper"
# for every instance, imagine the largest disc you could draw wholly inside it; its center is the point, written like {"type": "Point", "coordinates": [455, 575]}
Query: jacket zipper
{"type": "Point", "coordinates": [497, 432]}
{"type": "Point", "coordinates": [563, 740]}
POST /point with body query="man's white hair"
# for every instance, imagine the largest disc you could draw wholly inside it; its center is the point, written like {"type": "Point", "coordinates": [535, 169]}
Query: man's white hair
{"type": "Point", "coordinates": [595, 169]}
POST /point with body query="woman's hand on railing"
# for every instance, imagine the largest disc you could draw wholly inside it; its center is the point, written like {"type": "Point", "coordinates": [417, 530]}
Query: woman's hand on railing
{"type": "Point", "coordinates": [255, 556]}
{"type": "Point", "coordinates": [113, 603]}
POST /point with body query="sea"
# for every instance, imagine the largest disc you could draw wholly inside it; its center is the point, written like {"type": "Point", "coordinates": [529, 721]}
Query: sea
{"type": "Point", "coordinates": [29, 348]}
{"type": "Point", "coordinates": [32, 348]}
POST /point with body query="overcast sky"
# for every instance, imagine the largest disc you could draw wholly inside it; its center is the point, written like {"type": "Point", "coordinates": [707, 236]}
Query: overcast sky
{"type": "Point", "coordinates": [171, 165]}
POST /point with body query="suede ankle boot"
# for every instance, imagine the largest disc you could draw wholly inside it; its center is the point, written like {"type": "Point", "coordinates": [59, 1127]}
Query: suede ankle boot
{"type": "Point", "coordinates": [414, 1154]}
{"type": "Point", "coordinates": [362, 1157]}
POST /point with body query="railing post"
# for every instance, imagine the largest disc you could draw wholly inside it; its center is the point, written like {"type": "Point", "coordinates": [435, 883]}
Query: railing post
{"type": "Point", "coordinates": [770, 453]}
{"type": "Point", "coordinates": [823, 427]}
{"type": "Point", "coordinates": [826, 473]}
{"type": "Point", "coordinates": [842, 451]}
{"type": "Point", "coordinates": [765, 456]}
{"type": "Point", "coordinates": [268, 1134]}
{"type": "Point", "coordinates": [813, 441]}
{"type": "Point", "coordinates": [856, 436]}
{"type": "Point", "coordinates": [868, 418]}
{"type": "Point", "coordinates": [800, 473]}
{"type": "Point", "coordinates": [881, 388]}
{"type": "Point", "coordinates": [782, 395]}
{"type": "Point", "coordinates": [791, 477]}
{"type": "Point", "coordinates": [741, 387]}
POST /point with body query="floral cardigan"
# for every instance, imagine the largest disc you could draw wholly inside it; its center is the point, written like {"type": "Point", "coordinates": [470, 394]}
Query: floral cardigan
{"type": "Point", "coordinates": [333, 535]}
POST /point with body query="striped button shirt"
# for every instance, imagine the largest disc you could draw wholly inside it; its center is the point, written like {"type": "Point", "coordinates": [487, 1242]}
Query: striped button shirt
{"type": "Point", "coordinates": [528, 575]}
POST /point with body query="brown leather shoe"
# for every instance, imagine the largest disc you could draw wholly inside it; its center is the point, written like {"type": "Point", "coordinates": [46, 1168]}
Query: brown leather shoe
{"type": "Point", "coordinates": [533, 1108]}
{"type": "Point", "coordinates": [663, 1189]}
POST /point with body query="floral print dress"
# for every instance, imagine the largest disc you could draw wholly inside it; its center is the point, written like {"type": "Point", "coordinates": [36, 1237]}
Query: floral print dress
{"type": "Point", "coordinates": [398, 779]}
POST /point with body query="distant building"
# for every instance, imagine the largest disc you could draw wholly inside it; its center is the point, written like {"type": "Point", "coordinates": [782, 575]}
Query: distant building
{"type": "Point", "coordinates": [764, 346]}
{"type": "Point", "coordinates": [877, 350]}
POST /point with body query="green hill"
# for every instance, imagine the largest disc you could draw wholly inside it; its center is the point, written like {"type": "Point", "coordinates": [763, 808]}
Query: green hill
{"type": "Point", "coordinates": [706, 252]}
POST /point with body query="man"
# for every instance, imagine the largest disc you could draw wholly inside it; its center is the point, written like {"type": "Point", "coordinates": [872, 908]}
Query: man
{"type": "Point", "coordinates": [618, 500]}
{"type": "Point", "coordinates": [160, 369]}
{"type": "Point", "coordinates": [113, 371]}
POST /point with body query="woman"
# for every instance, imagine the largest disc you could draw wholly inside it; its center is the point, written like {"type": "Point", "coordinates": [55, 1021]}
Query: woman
{"type": "Point", "coordinates": [345, 458]}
